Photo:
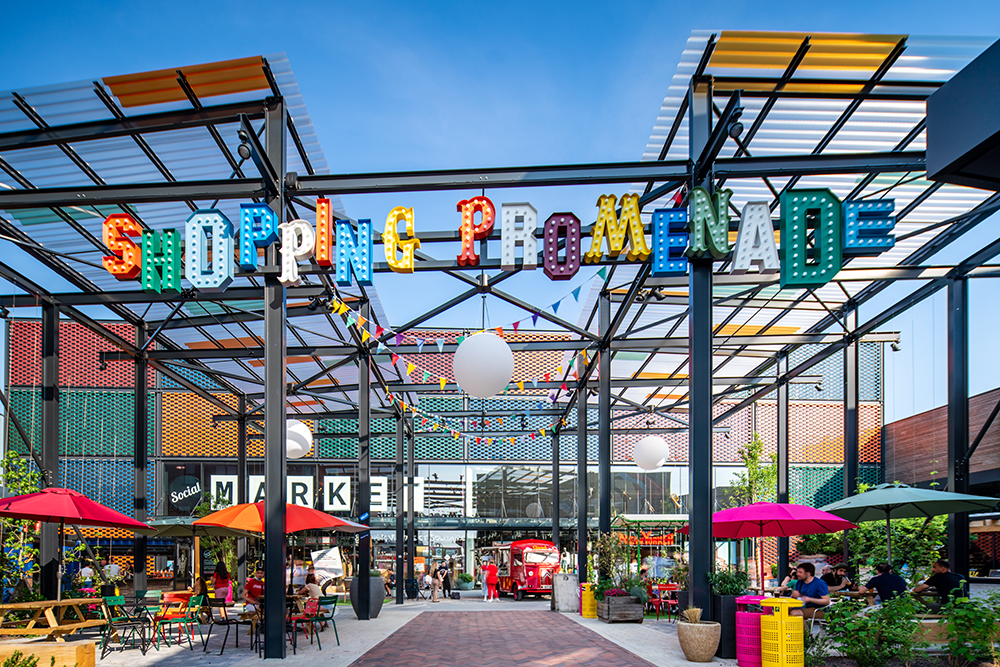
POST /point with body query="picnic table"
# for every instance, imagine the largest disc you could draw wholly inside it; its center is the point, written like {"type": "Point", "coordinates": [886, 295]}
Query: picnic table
{"type": "Point", "coordinates": [53, 612]}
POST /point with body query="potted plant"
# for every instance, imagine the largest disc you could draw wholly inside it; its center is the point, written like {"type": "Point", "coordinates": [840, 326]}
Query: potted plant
{"type": "Point", "coordinates": [698, 639]}
{"type": "Point", "coordinates": [617, 605]}
{"type": "Point", "coordinates": [680, 574]}
{"type": "Point", "coordinates": [376, 593]}
{"type": "Point", "coordinates": [727, 585]}
{"type": "Point", "coordinates": [465, 581]}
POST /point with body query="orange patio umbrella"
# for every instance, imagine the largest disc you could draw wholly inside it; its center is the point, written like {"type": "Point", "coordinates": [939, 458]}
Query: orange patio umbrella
{"type": "Point", "coordinates": [250, 517]}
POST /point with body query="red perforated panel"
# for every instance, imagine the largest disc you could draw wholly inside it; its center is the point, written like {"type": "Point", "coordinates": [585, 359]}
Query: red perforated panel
{"type": "Point", "coordinates": [79, 360]}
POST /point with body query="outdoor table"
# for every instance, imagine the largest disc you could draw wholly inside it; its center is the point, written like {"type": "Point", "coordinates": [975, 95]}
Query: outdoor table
{"type": "Point", "coordinates": [53, 612]}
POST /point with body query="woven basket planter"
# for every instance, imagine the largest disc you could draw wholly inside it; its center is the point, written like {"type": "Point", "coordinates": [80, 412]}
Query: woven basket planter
{"type": "Point", "coordinates": [699, 641]}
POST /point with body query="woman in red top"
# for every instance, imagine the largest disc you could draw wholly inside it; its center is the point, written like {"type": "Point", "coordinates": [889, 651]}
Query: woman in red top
{"type": "Point", "coordinates": [221, 583]}
{"type": "Point", "coordinates": [491, 581]}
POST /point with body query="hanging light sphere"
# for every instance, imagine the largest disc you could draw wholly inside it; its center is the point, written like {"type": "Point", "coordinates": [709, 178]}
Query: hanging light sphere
{"type": "Point", "coordinates": [651, 452]}
{"type": "Point", "coordinates": [298, 439]}
{"type": "Point", "coordinates": [483, 365]}
{"type": "Point", "coordinates": [534, 510]}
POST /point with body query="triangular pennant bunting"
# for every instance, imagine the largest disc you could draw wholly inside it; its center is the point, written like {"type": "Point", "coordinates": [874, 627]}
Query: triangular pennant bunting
{"type": "Point", "coordinates": [515, 325]}
{"type": "Point", "coordinates": [534, 319]}
{"type": "Point", "coordinates": [440, 344]}
{"type": "Point", "coordinates": [395, 358]}
{"type": "Point", "coordinates": [399, 339]}
{"type": "Point", "coordinates": [576, 294]}
{"type": "Point", "coordinates": [555, 306]}
{"type": "Point", "coordinates": [420, 344]}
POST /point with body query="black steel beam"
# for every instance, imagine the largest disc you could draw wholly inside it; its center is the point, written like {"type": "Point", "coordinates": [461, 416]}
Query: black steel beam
{"type": "Point", "coordinates": [241, 485]}
{"type": "Point", "coordinates": [129, 126]}
{"type": "Point", "coordinates": [48, 554]}
{"type": "Point", "coordinates": [364, 478]}
{"type": "Point", "coordinates": [581, 477]}
{"type": "Point", "coordinates": [411, 514]}
{"type": "Point", "coordinates": [958, 419]}
{"type": "Point", "coordinates": [400, 510]}
{"type": "Point", "coordinates": [555, 490]}
{"type": "Point", "coordinates": [851, 417]}
{"type": "Point", "coordinates": [275, 491]}
{"type": "Point", "coordinates": [604, 424]}
{"type": "Point", "coordinates": [782, 461]}
{"type": "Point", "coordinates": [139, 453]}
{"type": "Point", "coordinates": [134, 193]}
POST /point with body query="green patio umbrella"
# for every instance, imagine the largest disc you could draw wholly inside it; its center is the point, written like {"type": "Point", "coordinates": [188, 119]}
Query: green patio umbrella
{"type": "Point", "coordinates": [899, 501]}
{"type": "Point", "coordinates": [184, 526]}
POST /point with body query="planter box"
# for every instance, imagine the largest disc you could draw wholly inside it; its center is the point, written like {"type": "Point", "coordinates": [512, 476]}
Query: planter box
{"type": "Point", "coordinates": [724, 612]}
{"type": "Point", "coordinates": [376, 592]}
{"type": "Point", "coordinates": [698, 641]}
{"type": "Point", "coordinates": [683, 600]}
{"type": "Point", "coordinates": [624, 609]}
{"type": "Point", "coordinates": [466, 585]}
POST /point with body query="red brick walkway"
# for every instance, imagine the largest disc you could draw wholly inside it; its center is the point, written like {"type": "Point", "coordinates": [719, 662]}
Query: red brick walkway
{"type": "Point", "coordinates": [497, 639]}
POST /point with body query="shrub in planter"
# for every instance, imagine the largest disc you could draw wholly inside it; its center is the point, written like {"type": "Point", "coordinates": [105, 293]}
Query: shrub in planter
{"type": "Point", "coordinates": [727, 585]}
{"type": "Point", "coordinates": [973, 630]}
{"type": "Point", "coordinates": [376, 593]}
{"type": "Point", "coordinates": [465, 581]}
{"type": "Point", "coordinates": [698, 639]}
{"type": "Point", "coordinates": [874, 638]}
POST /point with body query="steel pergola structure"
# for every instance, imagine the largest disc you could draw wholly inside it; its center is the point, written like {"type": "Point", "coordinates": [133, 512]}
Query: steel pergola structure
{"type": "Point", "coordinates": [630, 312]}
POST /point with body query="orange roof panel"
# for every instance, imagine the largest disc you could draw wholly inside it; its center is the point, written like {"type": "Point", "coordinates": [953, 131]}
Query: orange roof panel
{"type": "Point", "coordinates": [207, 80]}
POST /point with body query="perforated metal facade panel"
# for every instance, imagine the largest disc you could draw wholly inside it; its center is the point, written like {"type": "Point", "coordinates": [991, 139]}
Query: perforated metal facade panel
{"type": "Point", "coordinates": [108, 481]}
{"type": "Point", "coordinates": [188, 429]}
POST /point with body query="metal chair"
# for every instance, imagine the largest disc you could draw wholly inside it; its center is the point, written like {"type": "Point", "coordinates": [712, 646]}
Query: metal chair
{"type": "Point", "coordinates": [655, 601]}
{"type": "Point", "coordinates": [123, 625]}
{"type": "Point", "coordinates": [327, 608]}
{"type": "Point", "coordinates": [223, 618]}
{"type": "Point", "coordinates": [184, 622]}
{"type": "Point", "coordinates": [306, 619]}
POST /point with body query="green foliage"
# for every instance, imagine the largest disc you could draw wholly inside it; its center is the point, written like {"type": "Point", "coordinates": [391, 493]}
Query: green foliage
{"type": "Point", "coordinates": [465, 577]}
{"type": "Point", "coordinates": [613, 558]}
{"type": "Point", "coordinates": [603, 586]}
{"type": "Point", "coordinates": [635, 586]}
{"type": "Point", "coordinates": [872, 637]}
{"type": "Point", "coordinates": [916, 544]}
{"type": "Point", "coordinates": [817, 648]}
{"type": "Point", "coordinates": [18, 659]}
{"type": "Point", "coordinates": [731, 581]}
{"type": "Point", "coordinates": [973, 631]}
{"type": "Point", "coordinates": [223, 548]}
{"type": "Point", "coordinates": [19, 557]}
{"type": "Point", "coordinates": [681, 573]}
{"type": "Point", "coordinates": [758, 482]}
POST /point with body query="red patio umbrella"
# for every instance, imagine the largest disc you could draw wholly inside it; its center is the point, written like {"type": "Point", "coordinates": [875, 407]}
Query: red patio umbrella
{"type": "Point", "coordinates": [57, 505]}
{"type": "Point", "coordinates": [250, 517]}
{"type": "Point", "coordinates": [773, 520]}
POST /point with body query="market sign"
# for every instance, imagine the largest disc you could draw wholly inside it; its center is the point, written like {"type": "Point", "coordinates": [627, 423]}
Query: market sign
{"type": "Point", "coordinates": [301, 491]}
{"type": "Point", "coordinates": [816, 230]}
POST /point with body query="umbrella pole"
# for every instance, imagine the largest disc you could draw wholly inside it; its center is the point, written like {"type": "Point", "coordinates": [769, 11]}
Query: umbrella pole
{"type": "Point", "coordinates": [888, 538]}
{"type": "Point", "coordinates": [59, 569]}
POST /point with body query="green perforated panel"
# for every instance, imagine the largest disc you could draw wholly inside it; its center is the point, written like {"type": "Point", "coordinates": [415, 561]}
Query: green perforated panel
{"type": "Point", "coordinates": [91, 423]}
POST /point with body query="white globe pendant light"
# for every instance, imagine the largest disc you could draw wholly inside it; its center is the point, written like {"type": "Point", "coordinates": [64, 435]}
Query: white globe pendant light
{"type": "Point", "coordinates": [483, 365]}
{"type": "Point", "coordinates": [298, 439]}
{"type": "Point", "coordinates": [651, 452]}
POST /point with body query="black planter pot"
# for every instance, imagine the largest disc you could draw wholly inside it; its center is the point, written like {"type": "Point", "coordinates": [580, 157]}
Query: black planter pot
{"type": "Point", "coordinates": [683, 601]}
{"type": "Point", "coordinates": [376, 592]}
{"type": "Point", "coordinates": [724, 612]}
{"type": "Point", "coordinates": [107, 590]}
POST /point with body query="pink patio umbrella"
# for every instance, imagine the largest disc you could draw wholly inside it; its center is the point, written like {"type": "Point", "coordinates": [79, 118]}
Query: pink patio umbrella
{"type": "Point", "coordinates": [762, 519]}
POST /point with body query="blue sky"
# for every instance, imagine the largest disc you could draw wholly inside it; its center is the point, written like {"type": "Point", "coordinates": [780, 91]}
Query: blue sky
{"type": "Point", "coordinates": [399, 86]}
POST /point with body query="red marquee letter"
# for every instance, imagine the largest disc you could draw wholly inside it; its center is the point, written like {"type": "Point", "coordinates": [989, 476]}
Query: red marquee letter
{"type": "Point", "coordinates": [471, 231]}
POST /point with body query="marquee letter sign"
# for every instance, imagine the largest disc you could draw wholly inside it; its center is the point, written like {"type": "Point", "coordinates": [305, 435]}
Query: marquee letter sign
{"type": "Point", "coordinates": [816, 231]}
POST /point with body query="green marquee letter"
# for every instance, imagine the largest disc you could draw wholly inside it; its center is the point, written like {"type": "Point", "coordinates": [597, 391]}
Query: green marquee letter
{"type": "Point", "coordinates": [709, 225]}
{"type": "Point", "coordinates": [161, 261]}
{"type": "Point", "coordinates": [811, 252]}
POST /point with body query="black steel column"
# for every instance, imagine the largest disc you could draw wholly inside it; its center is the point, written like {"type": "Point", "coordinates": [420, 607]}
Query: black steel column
{"type": "Point", "coordinates": [141, 443]}
{"type": "Point", "coordinates": [581, 474]}
{"type": "Point", "coordinates": [275, 454]}
{"type": "Point", "coordinates": [241, 488]}
{"type": "Point", "coordinates": [604, 425]}
{"type": "Point", "coordinates": [364, 472]}
{"type": "Point", "coordinates": [958, 419]}
{"type": "Point", "coordinates": [411, 513]}
{"type": "Point", "coordinates": [782, 495]}
{"type": "Point", "coordinates": [400, 495]}
{"type": "Point", "coordinates": [701, 556]}
{"type": "Point", "coordinates": [555, 487]}
{"type": "Point", "coordinates": [49, 552]}
{"type": "Point", "coordinates": [851, 455]}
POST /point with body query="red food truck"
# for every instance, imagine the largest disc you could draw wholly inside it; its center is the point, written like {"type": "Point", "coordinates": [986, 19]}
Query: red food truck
{"type": "Point", "coordinates": [524, 566]}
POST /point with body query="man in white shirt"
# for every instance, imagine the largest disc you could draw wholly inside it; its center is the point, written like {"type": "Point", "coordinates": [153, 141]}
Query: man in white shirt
{"type": "Point", "coordinates": [111, 570]}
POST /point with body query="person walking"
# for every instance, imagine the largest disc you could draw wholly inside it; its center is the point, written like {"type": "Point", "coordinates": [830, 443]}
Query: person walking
{"type": "Point", "coordinates": [482, 577]}
{"type": "Point", "coordinates": [492, 580]}
{"type": "Point", "coordinates": [435, 582]}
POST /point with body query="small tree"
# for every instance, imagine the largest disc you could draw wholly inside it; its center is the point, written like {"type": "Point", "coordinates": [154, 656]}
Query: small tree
{"type": "Point", "coordinates": [759, 481]}
{"type": "Point", "coordinates": [19, 557]}
{"type": "Point", "coordinates": [223, 549]}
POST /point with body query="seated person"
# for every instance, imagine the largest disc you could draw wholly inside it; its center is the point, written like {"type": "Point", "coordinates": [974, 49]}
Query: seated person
{"type": "Point", "coordinates": [886, 583]}
{"type": "Point", "coordinates": [790, 582]}
{"type": "Point", "coordinates": [812, 591]}
{"type": "Point", "coordinates": [254, 590]}
{"type": "Point", "coordinates": [836, 579]}
{"type": "Point", "coordinates": [945, 582]}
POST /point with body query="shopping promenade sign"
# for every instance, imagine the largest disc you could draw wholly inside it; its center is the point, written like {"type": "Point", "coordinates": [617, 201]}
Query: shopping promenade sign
{"type": "Point", "coordinates": [816, 232]}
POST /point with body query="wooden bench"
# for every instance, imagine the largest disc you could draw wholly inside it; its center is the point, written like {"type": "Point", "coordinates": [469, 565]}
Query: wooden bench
{"type": "Point", "coordinates": [68, 654]}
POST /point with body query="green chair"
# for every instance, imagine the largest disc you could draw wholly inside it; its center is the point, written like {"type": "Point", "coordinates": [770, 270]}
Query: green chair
{"type": "Point", "coordinates": [147, 603]}
{"type": "Point", "coordinates": [184, 622]}
{"type": "Point", "coordinates": [327, 607]}
{"type": "Point", "coordinates": [123, 625]}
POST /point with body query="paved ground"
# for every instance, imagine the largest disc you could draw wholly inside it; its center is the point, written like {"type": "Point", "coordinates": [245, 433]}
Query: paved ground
{"type": "Point", "coordinates": [485, 638]}
{"type": "Point", "coordinates": [463, 632]}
